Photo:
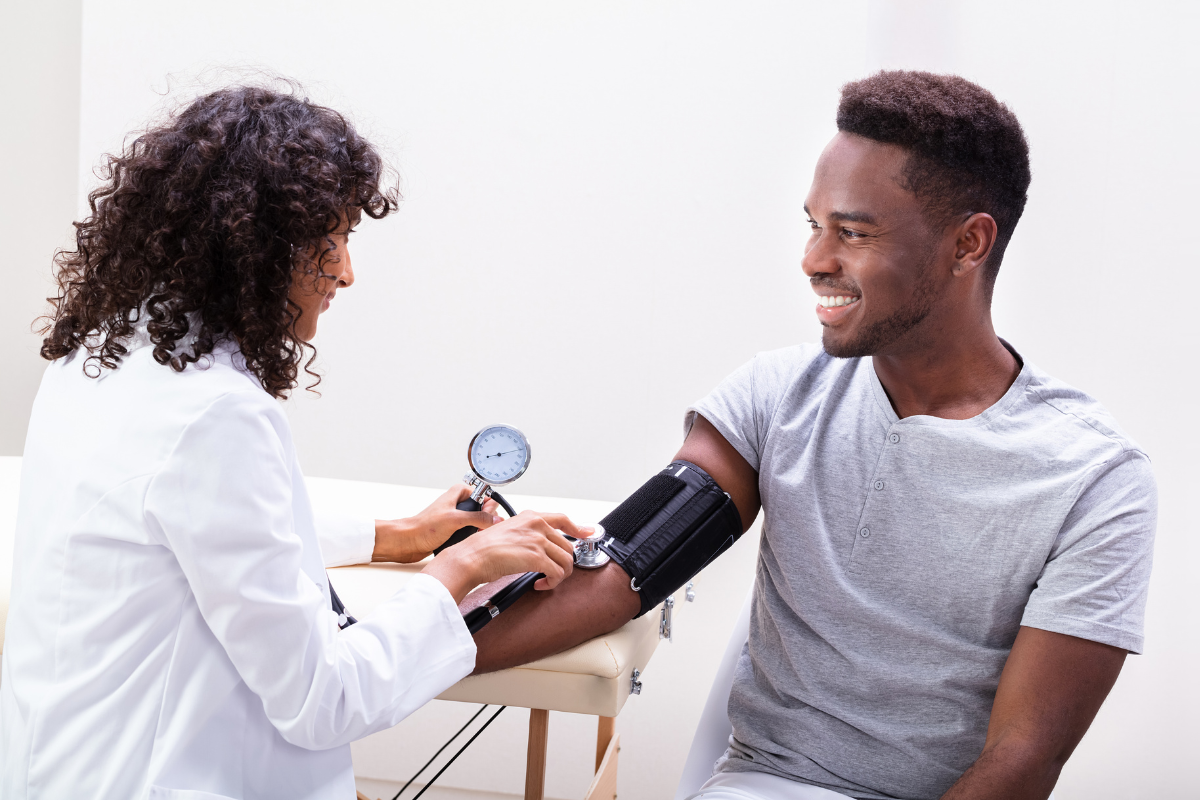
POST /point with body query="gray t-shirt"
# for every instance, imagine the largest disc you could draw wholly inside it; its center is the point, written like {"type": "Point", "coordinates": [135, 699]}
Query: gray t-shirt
{"type": "Point", "coordinates": [900, 556]}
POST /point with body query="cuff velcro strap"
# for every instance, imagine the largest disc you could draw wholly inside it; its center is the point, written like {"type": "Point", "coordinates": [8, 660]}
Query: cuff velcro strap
{"type": "Point", "coordinates": [669, 530]}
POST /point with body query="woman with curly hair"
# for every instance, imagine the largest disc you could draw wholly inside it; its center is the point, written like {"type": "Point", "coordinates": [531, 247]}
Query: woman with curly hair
{"type": "Point", "coordinates": [171, 632]}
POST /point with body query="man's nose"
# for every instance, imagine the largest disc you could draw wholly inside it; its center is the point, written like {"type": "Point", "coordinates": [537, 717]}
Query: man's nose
{"type": "Point", "coordinates": [819, 258]}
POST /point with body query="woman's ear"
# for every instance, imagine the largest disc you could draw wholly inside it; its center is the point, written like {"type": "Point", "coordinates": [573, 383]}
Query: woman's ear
{"type": "Point", "coordinates": [976, 236]}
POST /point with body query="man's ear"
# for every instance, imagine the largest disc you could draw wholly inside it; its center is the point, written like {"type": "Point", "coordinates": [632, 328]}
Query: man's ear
{"type": "Point", "coordinates": [975, 238]}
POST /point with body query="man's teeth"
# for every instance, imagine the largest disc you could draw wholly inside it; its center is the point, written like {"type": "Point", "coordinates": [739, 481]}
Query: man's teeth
{"type": "Point", "coordinates": [831, 302]}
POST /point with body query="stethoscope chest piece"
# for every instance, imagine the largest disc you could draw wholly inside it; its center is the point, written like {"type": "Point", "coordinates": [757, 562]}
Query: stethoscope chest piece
{"type": "Point", "coordinates": [588, 554]}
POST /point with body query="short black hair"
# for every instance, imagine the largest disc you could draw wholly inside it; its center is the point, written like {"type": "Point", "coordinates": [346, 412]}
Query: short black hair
{"type": "Point", "coordinates": [968, 152]}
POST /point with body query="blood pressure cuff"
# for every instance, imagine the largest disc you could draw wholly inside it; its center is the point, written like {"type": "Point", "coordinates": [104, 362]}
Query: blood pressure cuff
{"type": "Point", "coordinates": [669, 530]}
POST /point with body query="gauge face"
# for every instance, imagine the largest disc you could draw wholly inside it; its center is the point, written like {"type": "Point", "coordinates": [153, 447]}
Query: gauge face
{"type": "Point", "coordinates": [499, 454]}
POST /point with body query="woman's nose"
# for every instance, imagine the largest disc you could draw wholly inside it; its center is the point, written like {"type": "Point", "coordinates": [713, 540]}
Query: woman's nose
{"type": "Point", "coordinates": [347, 277]}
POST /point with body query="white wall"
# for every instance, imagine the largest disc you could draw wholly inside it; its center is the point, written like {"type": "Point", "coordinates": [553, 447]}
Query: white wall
{"type": "Point", "coordinates": [39, 137]}
{"type": "Point", "coordinates": [603, 219]}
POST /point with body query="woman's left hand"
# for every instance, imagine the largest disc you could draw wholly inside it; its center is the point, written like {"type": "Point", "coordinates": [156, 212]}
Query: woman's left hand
{"type": "Point", "coordinates": [413, 538]}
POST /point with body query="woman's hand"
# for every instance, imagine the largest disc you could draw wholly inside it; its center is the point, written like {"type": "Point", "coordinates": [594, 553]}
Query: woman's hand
{"type": "Point", "coordinates": [529, 542]}
{"type": "Point", "coordinates": [413, 538]}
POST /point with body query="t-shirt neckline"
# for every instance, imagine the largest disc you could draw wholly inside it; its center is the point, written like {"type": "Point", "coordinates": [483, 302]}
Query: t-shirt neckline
{"type": "Point", "coordinates": [996, 409]}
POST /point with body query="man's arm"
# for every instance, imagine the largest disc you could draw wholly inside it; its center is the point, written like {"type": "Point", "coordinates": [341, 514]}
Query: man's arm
{"type": "Point", "coordinates": [591, 603]}
{"type": "Point", "coordinates": [1049, 693]}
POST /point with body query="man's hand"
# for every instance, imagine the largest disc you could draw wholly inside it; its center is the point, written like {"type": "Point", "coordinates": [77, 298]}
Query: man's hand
{"type": "Point", "coordinates": [413, 538]}
{"type": "Point", "coordinates": [1049, 693]}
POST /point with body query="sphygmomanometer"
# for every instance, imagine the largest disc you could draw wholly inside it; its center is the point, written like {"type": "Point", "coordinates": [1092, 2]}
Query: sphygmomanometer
{"type": "Point", "coordinates": [497, 455]}
{"type": "Point", "coordinates": [669, 530]}
{"type": "Point", "coordinates": [661, 536]}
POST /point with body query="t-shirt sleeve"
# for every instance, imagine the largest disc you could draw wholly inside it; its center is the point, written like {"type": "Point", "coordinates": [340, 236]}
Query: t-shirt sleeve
{"type": "Point", "coordinates": [742, 405]}
{"type": "Point", "coordinates": [730, 408]}
{"type": "Point", "coordinates": [1095, 582]}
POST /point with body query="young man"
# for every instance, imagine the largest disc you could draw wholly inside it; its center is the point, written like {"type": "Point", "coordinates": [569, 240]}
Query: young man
{"type": "Point", "coordinates": [956, 546]}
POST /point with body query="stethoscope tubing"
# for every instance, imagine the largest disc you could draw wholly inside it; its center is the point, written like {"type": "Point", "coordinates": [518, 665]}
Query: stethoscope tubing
{"type": "Point", "coordinates": [501, 601]}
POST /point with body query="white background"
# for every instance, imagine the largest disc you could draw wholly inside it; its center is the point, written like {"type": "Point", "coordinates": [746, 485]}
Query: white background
{"type": "Point", "coordinates": [603, 218]}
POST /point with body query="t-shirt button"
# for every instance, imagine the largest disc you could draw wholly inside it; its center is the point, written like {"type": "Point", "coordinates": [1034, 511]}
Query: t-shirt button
{"type": "Point", "coordinates": [894, 438]}
{"type": "Point", "coordinates": [879, 485]}
{"type": "Point", "coordinates": [865, 532]}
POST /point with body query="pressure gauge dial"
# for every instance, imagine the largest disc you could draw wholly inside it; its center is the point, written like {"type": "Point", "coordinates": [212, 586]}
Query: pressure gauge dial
{"type": "Point", "coordinates": [498, 454]}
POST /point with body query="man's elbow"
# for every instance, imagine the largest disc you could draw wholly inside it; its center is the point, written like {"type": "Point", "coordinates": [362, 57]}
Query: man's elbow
{"type": "Point", "coordinates": [1032, 760]}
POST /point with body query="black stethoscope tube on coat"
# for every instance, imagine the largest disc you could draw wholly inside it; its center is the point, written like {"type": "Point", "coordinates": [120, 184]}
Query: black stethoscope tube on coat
{"type": "Point", "coordinates": [344, 619]}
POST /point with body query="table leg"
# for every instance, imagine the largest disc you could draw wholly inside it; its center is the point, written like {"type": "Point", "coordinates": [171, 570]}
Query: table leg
{"type": "Point", "coordinates": [604, 783]}
{"type": "Point", "coordinates": [604, 734]}
{"type": "Point", "coordinates": [535, 760]}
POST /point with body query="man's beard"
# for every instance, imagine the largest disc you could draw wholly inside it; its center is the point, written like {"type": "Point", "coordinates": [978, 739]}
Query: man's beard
{"type": "Point", "coordinates": [878, 335]}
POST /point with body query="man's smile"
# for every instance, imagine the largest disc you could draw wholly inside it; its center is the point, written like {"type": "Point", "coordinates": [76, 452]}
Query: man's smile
{"type": "Point", "coordinates": [833, 308]}
{"type": "Point", "coordinates": [837, 300]}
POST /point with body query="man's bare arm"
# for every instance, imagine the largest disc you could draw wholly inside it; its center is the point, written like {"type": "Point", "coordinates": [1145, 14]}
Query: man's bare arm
{"type": "Point", "coordinates": [708, 449]}
{"type": "Point", "coordinates": [1049, 693]}
{"type": "Point", "coordinates": [590, 603]}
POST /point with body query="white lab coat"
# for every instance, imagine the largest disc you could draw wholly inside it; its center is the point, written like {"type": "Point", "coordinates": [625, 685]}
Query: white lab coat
{"type": "Point", "coordinates": [170, 632]}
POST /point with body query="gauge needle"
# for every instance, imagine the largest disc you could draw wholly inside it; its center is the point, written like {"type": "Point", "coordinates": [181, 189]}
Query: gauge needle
{"type": "Point", "coordinates": [497, 455]}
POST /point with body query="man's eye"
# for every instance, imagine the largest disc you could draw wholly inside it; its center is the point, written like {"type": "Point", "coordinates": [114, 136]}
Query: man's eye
{"type": "Point", "coordinates": [813, 224]}
{"type": "Point", "coordinates": [849, 234]}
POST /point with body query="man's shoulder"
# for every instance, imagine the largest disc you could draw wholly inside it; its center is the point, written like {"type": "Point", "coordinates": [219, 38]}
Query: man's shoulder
{"type": "Point", "coordinates": [806, 363]}
{"type": "Point", "coordinates": [747, 405]}
{"type": "Point", "coordinates": [1076, 414]}
{"type": "Point", "coordinates": [789, 380]}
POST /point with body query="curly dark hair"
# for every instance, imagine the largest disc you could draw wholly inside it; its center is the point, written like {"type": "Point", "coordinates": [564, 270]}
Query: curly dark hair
{"type": "Point", "coordinates": [200, 225]}
{"type": "Point", "coordinates": [968, 152]}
